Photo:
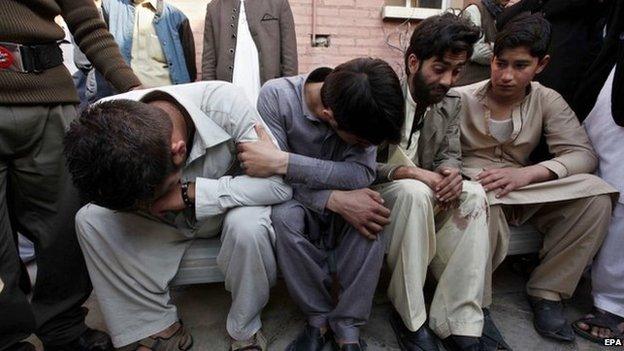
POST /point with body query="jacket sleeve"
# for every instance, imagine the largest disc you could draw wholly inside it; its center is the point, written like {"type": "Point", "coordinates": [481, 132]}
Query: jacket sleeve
{"type": "Point", "coordinates": [450, 150]}
{"type": "Point", "coordinates": [288, 38]}
{"type": "Point", "coordinates": [96, 42]}
{"type": "Point", "coordinates": [566, 139]}
{"type": "Point", "coordinates": [209, 55]}
{"type": "Point", "coordinates": [188, 46]}
{"type": "Point", "coordinates": [556, 8]}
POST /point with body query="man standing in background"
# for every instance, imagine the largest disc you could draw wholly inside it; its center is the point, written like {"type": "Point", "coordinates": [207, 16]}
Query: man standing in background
{"type": "Point", "coordinates": [248, 42]}
{"type": "Point", "coordinates": [37, 103]}
{"type": "Point", "coordinates": [482, 13]}
{"type": "Point", "coordinates": [603, 114]}
{"type": "Point", "coordinates": [155, 39]}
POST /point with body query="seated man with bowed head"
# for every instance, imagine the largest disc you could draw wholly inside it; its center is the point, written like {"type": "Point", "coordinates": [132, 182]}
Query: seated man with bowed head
{"type": "Point", "coordinates": [502, 121]}
{"type": "Point", "coordinates": [159, 168]}
{"type": "Point", "coordinates": [328, 244]}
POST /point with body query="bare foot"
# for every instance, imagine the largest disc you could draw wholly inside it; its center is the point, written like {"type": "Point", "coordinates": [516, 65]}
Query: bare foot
{"type": "Point", "coordinates": [599, 331]}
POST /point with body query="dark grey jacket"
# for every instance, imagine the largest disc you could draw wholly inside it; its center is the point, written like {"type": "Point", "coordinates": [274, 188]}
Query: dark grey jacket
{"type": "Point", "coordinates": [272, 27]}
{"type": "Point", "coordinates": [438, 144]}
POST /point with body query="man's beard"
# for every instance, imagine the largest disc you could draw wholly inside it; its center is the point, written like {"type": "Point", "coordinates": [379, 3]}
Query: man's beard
{"type": "Point", "coordinates": [424, 93]}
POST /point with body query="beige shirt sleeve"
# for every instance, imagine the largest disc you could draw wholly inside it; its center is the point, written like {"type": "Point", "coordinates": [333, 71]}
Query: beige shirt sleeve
{"type": "Point", "coordinates": [566, 139]}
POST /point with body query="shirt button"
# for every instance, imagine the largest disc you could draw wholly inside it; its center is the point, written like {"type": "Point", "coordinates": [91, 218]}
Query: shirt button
{"type": "Point", "coordinates": [234, 10]}
{"type": "Point", "coordinates": [231, 51]}
{"type": "Point", "coordinates": [232, 25]}
{"type": "Point", "coordinates": [230, 68]}
{"type": "Point", "coordinates": [233, 17]}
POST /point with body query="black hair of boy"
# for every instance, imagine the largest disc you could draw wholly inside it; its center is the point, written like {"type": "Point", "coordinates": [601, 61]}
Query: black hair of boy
{"type": "Point", "coordinates": [366, 99]}
{"type": "Point", "coordinates": [525, 30]}
{"type": "Point", "coordinates": [118, 152]}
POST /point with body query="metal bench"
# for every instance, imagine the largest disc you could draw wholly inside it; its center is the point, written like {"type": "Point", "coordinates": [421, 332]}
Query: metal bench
{"type": "Point", "coordinates": [199, 264]}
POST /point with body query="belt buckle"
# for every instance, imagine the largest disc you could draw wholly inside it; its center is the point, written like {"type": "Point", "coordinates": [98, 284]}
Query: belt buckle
{"type": "Point", "coordinates": [11, 57]}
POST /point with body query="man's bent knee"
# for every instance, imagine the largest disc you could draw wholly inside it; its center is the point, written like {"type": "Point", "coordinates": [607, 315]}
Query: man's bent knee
{"type": "Point", "coordinates": [248, 227]}
{"type": "Point", "coordinates": [415, 192]}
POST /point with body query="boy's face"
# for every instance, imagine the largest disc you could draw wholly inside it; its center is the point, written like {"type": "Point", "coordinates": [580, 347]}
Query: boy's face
{"type": "Point", "coordinates": [513, 70]}
{"type": "Point", "coordinates": [431, 79]}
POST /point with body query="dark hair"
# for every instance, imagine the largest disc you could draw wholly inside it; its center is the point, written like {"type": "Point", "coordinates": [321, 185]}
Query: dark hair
{"type": "Point", "coordinates": [118, 152]}
{"type": "Point", "coordinates": [436, 35]}
{"type": "Point", "coordinates": [366, 99]}
{"type": "Point", "coordinates": [318, 75]}
{"type": "Point", "coordinates": [529, 30]}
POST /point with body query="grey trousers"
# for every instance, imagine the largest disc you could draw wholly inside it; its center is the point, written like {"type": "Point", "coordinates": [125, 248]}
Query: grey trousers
{"type": "Point", "coordinates": [302, 241]}
{"type": "Point", "coordinates": [38, 200]}
{"type": "Point", "coordinates": [131, 260]}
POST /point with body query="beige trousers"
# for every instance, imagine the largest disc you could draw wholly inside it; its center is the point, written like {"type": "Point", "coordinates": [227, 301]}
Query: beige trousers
{"type": "Point", "coordinates": [573, 232]}
{"type": "Point", "coordinates": [453, 243]}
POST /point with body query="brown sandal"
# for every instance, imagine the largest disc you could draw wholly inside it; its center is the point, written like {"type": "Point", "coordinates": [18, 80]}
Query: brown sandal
{"type": "Point", "coordinates": [181, 340]}
{"type": "Point", "coordinates": [257, 343]}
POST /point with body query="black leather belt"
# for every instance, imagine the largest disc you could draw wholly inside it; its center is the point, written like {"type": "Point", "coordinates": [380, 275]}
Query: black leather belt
{"type": "Point", "coordinates": [29, 58]}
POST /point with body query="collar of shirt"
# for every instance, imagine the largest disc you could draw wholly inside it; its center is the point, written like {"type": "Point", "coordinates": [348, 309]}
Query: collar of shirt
{"type": "Point", "coordinates": [481, 92]}
{"type": "Point", "coordinates": [304, 106]}
{"type": "Point", "coordinates": [408, 95]}
{"type": "Point", "coordinates": [516, 115]}
{"type": "Point", "coordinates": [150, 4]}
{"type": "Point", "coordinates": [207, 132]}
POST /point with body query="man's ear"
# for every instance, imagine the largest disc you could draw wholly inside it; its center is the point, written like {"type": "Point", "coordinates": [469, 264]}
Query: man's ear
{"type": "Point", "coordinates": [328, 115]}
{"type": "Point", "coordinates": [178, 152]}
{"type": "Point", "coordinates": [542, 64]}
{"type": "Point", "coordinates": [413, 64]}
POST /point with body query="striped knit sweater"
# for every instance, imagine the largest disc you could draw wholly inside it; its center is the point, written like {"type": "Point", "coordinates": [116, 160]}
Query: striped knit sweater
{"type": "Point", "coordinates": [32, 22]}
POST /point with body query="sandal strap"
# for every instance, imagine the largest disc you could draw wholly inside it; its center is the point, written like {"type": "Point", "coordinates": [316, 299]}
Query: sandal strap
{"type": "Point", "coordinates": [604, 319]}
{"type": "Point", "coordinates": [258, 342]}
{"type": "Point", "coordinates": [181, 340]}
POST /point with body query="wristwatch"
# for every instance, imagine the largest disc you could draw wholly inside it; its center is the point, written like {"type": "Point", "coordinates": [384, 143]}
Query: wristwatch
{"type": "Point", "coordinates": [184, 190]}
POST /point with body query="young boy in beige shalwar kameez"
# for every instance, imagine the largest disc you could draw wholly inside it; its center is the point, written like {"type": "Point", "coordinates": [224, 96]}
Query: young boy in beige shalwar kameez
{"type": "Point", "coordinates": [502, 122]}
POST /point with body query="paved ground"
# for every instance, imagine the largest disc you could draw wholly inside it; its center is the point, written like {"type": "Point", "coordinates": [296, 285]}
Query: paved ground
{"type": "Point", "coordinates": [204, 308]}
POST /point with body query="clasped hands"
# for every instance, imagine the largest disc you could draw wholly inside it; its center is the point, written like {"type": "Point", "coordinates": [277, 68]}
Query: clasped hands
{"type": "Point", "coordinates": [446, 182]}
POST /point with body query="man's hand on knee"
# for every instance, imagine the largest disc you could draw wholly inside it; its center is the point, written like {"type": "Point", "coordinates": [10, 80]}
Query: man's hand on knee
{"type": "Point", "coordinates": [450, 187]}
{"type": "Point", "coordinates": [362, 208]}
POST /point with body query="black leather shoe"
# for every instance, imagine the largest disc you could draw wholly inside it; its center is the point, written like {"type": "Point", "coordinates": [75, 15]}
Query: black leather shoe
{"type": "Point", "coordinates": [463, 343]}
{"type": "Point", "coordinates": [420, 340]}
{"type": "Point", "coordinates": [491, 338]}
{"type": "Point", "coordinates": [22, 346]}
{"type": "Point", "coordinates": [90, 340]}
{"type": "Point", "coordinates": [310, 339]}
{"type": "Point", "coordinates": [361, 346]}
{"type": "Point", "coordinates": [549, 320]}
